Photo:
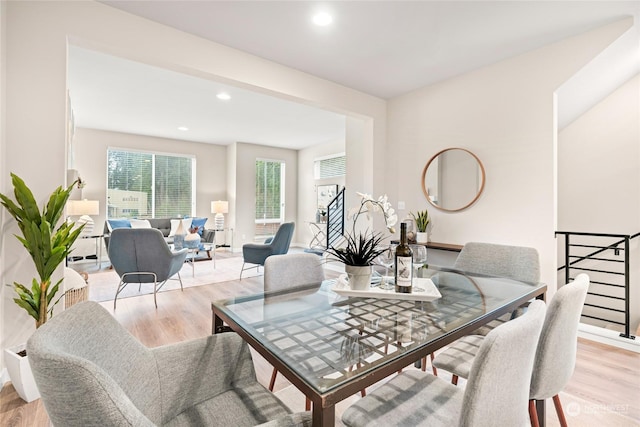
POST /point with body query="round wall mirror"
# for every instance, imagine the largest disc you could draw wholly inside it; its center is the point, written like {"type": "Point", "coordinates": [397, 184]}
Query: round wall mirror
{"type": "Point", "coordinates": [453, 179]}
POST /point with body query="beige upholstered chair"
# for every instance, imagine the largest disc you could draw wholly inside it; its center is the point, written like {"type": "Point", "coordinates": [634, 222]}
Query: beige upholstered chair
{"type": "Point", "coordinates": [496, 394]}
{"type": "Point", "coordinates": [283, 272]}
{"type": "Point", "coordinates": [556, 353]}
{"type": "Point", "coordinates": [514, 262]}
{"type": "Point", "coordinates": [91, 372]}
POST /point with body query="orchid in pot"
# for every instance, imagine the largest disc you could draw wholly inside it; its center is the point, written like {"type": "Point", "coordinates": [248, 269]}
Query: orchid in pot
{"type": "Point", "coordinates": [359, 249]}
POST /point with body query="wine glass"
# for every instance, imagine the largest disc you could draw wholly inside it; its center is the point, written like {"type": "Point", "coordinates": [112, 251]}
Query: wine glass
{"type": "Point", "coordinates": [386, 259]}
{"type": "Point", "coordinates": [419, 259]}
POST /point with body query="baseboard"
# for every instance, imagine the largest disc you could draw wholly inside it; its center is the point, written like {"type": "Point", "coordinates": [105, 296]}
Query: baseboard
{"type": "Point", "coordinates": [609, 337]}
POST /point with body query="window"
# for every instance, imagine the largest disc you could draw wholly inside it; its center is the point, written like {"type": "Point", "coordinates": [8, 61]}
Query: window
{"type": "Point", "coordinates": [149, 185]}
{"type": "Point", "coordinates": [330, 166]}
{"type": "Point", "coordinates": [269, 197]}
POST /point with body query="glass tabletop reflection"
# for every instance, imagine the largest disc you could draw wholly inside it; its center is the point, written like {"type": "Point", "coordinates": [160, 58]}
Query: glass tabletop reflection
{"type": "Point", "coordinates": [328, 340]}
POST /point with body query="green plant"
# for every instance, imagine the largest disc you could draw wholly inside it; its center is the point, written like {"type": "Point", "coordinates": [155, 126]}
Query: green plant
{"type": "Point", "coordinates": [361, 249]}
{"type": "Point", "coordinates": [47, 245]}
{"type": "Point", "coordinates": [422, 220]}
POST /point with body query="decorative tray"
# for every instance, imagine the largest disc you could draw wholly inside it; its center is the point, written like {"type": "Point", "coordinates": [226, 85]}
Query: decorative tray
{"type": "Point", "coordinates": [423, 290]}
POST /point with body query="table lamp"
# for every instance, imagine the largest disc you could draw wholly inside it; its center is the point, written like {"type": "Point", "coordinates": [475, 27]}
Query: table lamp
{"type": "Point", "coordinates": [219, 208]}
{"type": "Point", "coordinates": [84, 208]}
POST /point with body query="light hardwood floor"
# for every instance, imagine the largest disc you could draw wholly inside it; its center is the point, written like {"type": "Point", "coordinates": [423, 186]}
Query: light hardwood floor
{"type": "Point", "coordinates": [604, 391]}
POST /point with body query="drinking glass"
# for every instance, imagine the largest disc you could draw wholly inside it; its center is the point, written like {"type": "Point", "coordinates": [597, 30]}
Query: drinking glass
{"type": "Point", "coordinates": [386, 259]}
{"type": "Point", "coordinates": [419, 259]}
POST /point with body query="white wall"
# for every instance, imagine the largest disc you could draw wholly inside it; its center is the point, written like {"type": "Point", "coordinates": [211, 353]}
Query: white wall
{"type": "Point", "coordinates": [307, 185]}
{"type": "Point", "coordinates": [599, 180]}
{"type": "Point", "coordinates": [504, 113]}
{"type": "Point", "coordinates": [3, 168]}
{"type": "Point", "coordinates": [36, 61]}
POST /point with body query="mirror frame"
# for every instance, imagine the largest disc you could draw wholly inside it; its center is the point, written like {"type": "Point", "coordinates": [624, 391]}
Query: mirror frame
{"type": "Point", "coordinates": [424, 175]}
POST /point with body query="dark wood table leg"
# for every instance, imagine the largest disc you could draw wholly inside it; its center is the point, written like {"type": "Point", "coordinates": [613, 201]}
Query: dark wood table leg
{"type": "Point", "coordinates": [324, 417]}
{"type": "Point", "coordinates": [541, 412]}
{"type": "Point", "coordinates": [216, 324]}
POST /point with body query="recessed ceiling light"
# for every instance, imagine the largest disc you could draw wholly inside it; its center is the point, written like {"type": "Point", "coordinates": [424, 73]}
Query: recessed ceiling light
{"type": "Point", "coordinates": [224, 96]}
{"type": "Point", "coordinates": [183, 128]}
{"type": "Point", "coordinates": [322, 19]}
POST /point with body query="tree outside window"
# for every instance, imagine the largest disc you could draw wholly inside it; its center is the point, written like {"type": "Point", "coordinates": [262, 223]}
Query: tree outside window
{"type": "Point", "coordinates": [269, 197]}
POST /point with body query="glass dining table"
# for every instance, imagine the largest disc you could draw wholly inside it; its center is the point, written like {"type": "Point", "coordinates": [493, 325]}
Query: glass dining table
{"type": "Point", "coordinates": [331, 346]}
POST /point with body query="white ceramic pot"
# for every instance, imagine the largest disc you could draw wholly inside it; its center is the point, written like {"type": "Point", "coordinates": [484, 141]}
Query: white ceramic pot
{"type": "Point", "coordinates": [359, 276]}
{"type": "Point", "coordinates": [422, 237]}
{"type": "Point", "coordinates": [20, 374]}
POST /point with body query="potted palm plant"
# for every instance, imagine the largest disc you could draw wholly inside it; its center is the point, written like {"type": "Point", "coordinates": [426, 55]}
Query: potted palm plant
{"type": "Point", "coordinates": [359, 250]}
{"type": "Point", "coordinates": [422, 221]}
{"type": "Point", "coordinates": [48, 247]}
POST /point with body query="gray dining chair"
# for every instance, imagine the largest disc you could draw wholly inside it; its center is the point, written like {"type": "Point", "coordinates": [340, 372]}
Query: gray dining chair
{"type": "Point", "coordinates": [91, 372]}
{"type": "Point", "coordinates": [282, 272]}
{"type": "Point", "coordinates": [514, 262]}
{"type": "Point", "coordinates": [496, 394]}
{"type": "Point", "coordinates": [141, 255]}
{"type": "Point", "coordinates": [257, 253]}
{"type": "Point", "coordinates": [556, 354]}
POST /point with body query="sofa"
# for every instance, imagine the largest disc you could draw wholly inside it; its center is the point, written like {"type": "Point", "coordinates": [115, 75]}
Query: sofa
{"type": "Point", "coordinates": [166, 225]}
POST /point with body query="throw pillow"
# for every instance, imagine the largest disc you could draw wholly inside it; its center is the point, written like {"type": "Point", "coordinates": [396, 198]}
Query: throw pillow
{"type": "Point", "coordinates": [112, 224]}
{"type": "Point", "coordinates": [186, 223]}
{"type": "Point", "coordinates": [140, 223]}
{"type": "Point", "coordinates": [198, 222]}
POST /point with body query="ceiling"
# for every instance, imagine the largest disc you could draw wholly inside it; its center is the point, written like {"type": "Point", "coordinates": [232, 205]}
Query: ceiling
{"type": "Point", "coordinates": [383, 48]}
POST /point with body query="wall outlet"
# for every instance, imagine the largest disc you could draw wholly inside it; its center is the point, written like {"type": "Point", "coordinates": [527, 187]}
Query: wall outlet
{"type": "Point", "coordinates": [400, 205]}
{"type": "Point", "coordinates": [244, 237]}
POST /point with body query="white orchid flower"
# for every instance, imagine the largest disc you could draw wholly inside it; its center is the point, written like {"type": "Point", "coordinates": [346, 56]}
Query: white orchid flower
{"type": "Point", "coordinates": [392, 220]}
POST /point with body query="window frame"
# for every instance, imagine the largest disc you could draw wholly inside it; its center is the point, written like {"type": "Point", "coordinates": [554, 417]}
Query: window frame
{"type": "Point", "coordinates": [154, 154]}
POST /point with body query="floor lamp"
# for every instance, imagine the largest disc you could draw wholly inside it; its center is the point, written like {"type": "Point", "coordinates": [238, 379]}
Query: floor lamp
{"type": "Point", "coordinates": [219, 208]}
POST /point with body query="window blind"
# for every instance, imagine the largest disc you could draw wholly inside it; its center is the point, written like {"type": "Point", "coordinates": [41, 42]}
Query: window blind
{"type": "Point", "coordinates": [149, 185]}
{"type": "Point", "coordinates": [330, 167]}
{"type": "Point", "coordinates": [269, 196]}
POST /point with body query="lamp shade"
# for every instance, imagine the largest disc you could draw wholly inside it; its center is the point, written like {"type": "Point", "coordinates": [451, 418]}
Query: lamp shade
{"type": "Point", "coordinates": [220, 207]}
{"type": "Point", "coordinates": [83, 207]}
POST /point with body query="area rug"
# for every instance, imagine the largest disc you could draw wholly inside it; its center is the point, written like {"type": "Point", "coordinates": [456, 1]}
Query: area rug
{"type": "Point", "coordinates": [103, 284]}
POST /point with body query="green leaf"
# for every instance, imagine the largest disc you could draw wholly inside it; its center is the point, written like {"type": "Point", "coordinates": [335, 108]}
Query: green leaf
{"type": "Point", "coordinates": [27, 307]}
{"type": "Point", "coordinates": [47, 248]}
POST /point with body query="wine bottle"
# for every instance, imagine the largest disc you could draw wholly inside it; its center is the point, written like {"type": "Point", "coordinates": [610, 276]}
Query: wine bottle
{"type": "Point", "coordinates": [404, 260]}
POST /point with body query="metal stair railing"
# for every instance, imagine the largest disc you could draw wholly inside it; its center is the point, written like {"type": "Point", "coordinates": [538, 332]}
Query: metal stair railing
{"type": "Point", "coordinates": [335, 218]}
{"type": "Point", "coordinates": [576, 262]}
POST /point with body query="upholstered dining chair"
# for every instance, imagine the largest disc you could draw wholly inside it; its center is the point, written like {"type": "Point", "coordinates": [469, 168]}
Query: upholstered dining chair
{"type": "Point", "coordinates": [288, 271]}
{"type": "Point", "coordinates": [141, 255]}
{"type": "Point", "coordinates": [496, 394]}
{"type": "Point", "coordinates": [257, 253]}
{"type": "Point", "coordinates": [91, 372]}
{"type": "Point", "coordinates": [514, 262]}
{"type": "Point", "coordinates": [556, 354]}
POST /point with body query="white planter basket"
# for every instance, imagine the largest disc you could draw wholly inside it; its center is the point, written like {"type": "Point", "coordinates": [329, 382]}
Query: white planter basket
{"type": "Point", "coordinates": [20, 374]}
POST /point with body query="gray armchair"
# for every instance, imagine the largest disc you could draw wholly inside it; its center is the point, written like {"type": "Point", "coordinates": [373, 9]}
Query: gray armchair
{"type": "Point", "coordinates": [256, 253]}
{"type": "Point", "coordinates": [91, 372]}
{"type": "Point", "coordinates": [141, 255]}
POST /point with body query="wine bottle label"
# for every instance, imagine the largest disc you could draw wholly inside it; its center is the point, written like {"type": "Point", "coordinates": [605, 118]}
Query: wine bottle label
{"type": "Point", "coordinates": [404, 270]}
